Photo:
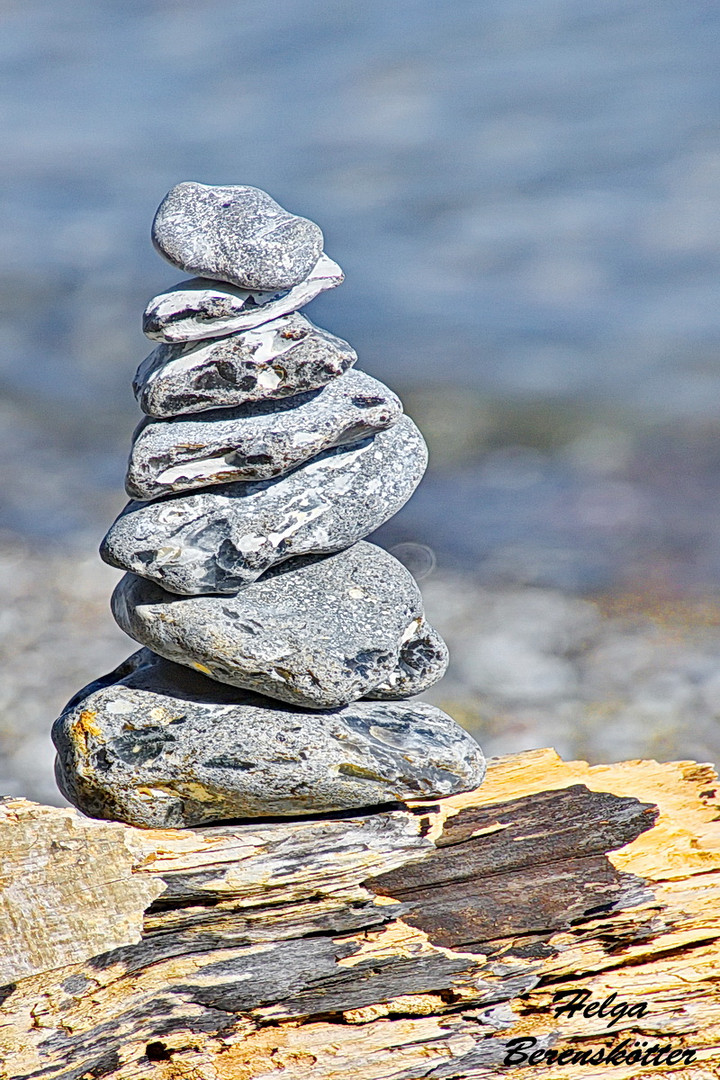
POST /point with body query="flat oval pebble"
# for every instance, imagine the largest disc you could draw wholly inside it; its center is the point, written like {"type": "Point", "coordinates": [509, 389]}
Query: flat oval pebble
{"type": "Point", "coordinates": [159, 746]}
{"type": "Point", "coordinates": [217, 540]}
{"type": "Point", "coordinates": [200, 308]}
{"type": "Point", "coordinates": [256, 441]}
{"type": "Point", "coordinates": [237, 234]}
{"type": "Point", "coordinates": [283, 357]}
{"type": "Point", "coordinates": [319, 632]}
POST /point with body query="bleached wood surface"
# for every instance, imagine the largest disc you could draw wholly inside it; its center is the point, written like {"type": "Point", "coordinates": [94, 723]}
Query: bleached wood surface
{"type": "Point", "coordinates": [413, 942]}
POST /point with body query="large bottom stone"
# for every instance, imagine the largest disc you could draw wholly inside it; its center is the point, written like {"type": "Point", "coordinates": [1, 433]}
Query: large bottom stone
{"type": "Point", "coordinates": [157, 745]}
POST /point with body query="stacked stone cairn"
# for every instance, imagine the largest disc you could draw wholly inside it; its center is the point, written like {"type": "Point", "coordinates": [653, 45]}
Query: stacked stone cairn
{"type": "Point", "coordinates": [278, 645]}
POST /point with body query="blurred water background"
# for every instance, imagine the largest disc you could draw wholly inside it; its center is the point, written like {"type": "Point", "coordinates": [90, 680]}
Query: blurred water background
{"type": "Point", "coordinates": [525, 198]}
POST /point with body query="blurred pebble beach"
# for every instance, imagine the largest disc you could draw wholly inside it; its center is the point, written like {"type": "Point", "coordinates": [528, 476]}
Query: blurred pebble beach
{"type": "Point", "coordinates": [525, 199]}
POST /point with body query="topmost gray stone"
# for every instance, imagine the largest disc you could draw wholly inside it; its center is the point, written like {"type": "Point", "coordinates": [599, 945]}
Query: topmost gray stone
{"type": "Point", "coordinates": [236, 234]}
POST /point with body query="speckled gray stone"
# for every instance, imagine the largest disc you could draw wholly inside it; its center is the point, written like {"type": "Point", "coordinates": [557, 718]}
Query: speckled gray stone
{"type": "Point", "coordinates": [237, 234]}
{"type": "Point", "coordinates": [217, 540]}
{"type": "Point", "coordinates": [321, 632]}
{"type": "Point", "coordinates": [200, 308]}
{"type": "Point", "coordinates": [259, 440]}
{"type": "Point", "coordinates": [285, 356]}
{"type": "Point", "coordinates": [159, 746]}
{"type": "Point", "coordinates": [422, 662]}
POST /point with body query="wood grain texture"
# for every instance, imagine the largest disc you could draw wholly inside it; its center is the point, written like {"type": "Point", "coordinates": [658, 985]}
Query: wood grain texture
{"type": "Point", "coordinates": [67, 889]}
{"type": "Point", "coordinates": [412, 942]}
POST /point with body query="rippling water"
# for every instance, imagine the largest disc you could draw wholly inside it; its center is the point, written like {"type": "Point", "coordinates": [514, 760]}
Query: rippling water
{"type": "Point", "coordinates": [524, 197]}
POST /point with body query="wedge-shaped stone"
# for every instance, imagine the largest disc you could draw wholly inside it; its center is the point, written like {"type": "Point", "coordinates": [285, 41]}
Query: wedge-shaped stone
{"type": "Point", "coordinates": [220, 539]}
{"type": "Point", "coordinates": [200, 308]}
{"type": "Point", "coordinates": [257, 441]}
{"type": "Point", "coordinates": [320, 632]}
{"type": "Point", "coordinates": [283, 357]}
{"type": "Point", "coordinates": [237, 234]}
{"type": "Point", "coordinates": [159, 746]}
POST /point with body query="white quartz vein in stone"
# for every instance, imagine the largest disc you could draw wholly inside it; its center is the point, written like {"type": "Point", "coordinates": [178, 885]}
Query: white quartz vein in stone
{"type": "Point", "coordinates": [257, 441]}
{"type": "Point", "coordinates": [201, 467]}
{"type": "Point", "coordinates": [219, 540]}
{"type": "Point", "coordinates": [176, 315]}
{"type": "Point", "coordinates": [266, 343]}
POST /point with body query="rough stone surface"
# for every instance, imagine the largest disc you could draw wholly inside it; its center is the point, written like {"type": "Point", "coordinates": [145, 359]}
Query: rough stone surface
{"type": "Point", "coordinates": [256, 441]}
{"type": "Point", "coordinates": [217, 540]}
{"type": "Point", "coordinates": [640, 682]}
{"type": "Point", "coordinates": [321, 632]}
{"type": "Point", "coordinates": [158, 745]}
{"type": "Point", "coordinates": [200, 308]}
{"type": "Point", "coordinates": [422, 662]}
{"type": "Point", "coordinates": [285, 356]}
{"type": "Point", "coordinates": [237, 234]}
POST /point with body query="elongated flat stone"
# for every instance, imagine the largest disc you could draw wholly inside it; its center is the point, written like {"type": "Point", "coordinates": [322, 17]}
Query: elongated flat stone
{"type": "Point", "coordinates": [218, 540]}
{"type": "Point", "coordinates": [321, 632]}
{"type": "Point", "coordinates": [256, 441]}
{"type": "Point", "coordinates": [422, 662]}
{"type": "Point", "coordinates": [159, 746]}
{"type": "Point", "coordinates": [237, 234]}
{"type": "Point", "coordinates": [200, 308]}
{"type": "Point", "coordinates": [283, 357]}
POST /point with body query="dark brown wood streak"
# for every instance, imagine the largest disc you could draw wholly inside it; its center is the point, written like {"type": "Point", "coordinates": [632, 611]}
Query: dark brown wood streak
{"type": "Point", "coordinates": [527, 867]}
{"type": "Point", "coordinates": [413, 941]}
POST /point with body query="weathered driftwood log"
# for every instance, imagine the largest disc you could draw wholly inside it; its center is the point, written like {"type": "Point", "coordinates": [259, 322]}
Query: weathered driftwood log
{"type": "Point", "coordinates": [424, 941]}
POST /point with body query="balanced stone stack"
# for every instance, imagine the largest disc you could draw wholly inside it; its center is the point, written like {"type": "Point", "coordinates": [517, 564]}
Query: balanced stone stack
{"type": "Point", "coordinates": [278, 645]}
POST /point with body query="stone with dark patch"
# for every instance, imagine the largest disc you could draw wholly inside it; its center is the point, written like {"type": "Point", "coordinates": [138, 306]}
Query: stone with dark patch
{"type": "Point", "coordinates": [256, 441]}
{"type": "Point", "coordinates": [220, 539]}
{"type": "Point", "coordinates": [319, 632]}
{"type": "Point", "coordinates": [240, 755]}
{"type": "Point", "coordinates": [422, 662]}
{"type": "Point", "coordinates": [201, 308]}
{"type": "Point", "coordinates": [285, 356]}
